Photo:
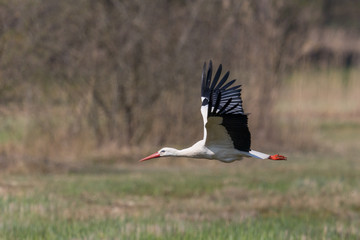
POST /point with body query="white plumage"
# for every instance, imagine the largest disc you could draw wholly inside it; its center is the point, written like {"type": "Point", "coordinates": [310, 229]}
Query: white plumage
{"type": "Point", "coordinates": [226, 134]}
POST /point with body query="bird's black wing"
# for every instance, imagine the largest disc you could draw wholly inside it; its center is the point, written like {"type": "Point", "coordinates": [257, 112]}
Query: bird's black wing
{"type": "Point", "coordinates": [222, 110]}
{"type": "Point", "coordinates": [230, 101]}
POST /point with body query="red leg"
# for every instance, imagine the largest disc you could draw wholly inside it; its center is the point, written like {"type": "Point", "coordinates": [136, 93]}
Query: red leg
{"type": "Point", "coordinates": [277, 157]}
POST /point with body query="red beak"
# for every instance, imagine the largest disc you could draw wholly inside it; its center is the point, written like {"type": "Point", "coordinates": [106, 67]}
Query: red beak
{"type": "Point", "coordinates": [155, 155]}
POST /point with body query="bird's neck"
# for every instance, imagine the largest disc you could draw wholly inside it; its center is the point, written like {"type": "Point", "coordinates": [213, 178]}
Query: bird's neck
{"type": "Point", "coordinates": [186, 152]}
{"type": "Point", "coordinates": [178, 152]}
{"type": "Point", "coordinates": [194, 151]}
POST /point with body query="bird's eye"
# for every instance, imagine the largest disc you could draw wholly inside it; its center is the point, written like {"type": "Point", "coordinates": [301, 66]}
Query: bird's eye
{"type": "Point", "coordinates": [162, 151]}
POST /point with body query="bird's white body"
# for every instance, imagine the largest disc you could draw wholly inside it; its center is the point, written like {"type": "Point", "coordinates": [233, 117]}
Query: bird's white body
{"type": "Point", "coordinates": [200, 150]}
{"type": "Point", "coordinates": [226, 134]}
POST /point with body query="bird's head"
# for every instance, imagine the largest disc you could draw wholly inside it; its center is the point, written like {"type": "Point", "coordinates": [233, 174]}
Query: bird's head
{"type": "Point", "coordinates": [164, 152]}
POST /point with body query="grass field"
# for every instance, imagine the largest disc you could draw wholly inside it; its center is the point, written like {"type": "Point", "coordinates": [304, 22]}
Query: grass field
{"type": "Point", "coordinates": [313, 195]}
{"type": "Point", "coordinates": [303, 198]}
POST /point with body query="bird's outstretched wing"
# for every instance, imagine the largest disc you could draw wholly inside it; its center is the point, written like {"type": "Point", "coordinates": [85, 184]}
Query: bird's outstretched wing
{"type": "Point", "coordinates": [224, 120]}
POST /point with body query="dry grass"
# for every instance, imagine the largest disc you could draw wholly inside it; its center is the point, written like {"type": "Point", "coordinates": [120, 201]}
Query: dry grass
{"type": "Point", "coordinates": [310, 106]}
{"type": "Point", "coordinates": [305, 197]}
{"type": "Point", "coordinates": [322, 95]}
{"type": "Point", "coordinates": [313, 103]}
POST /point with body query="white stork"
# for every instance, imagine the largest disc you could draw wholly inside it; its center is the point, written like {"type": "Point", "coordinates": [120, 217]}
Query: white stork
{"type": "Point", "coordinates": [226, 132]}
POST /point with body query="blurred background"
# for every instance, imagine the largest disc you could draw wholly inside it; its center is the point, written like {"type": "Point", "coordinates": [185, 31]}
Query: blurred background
{"type": "Point", "coordinates": [89, 87]}
{"type": "Point", "coordinates": [111, 81]}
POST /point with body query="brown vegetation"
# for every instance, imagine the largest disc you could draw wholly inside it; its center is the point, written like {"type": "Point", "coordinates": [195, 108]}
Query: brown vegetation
{"type": "Point", "coordinates": [82, 75]}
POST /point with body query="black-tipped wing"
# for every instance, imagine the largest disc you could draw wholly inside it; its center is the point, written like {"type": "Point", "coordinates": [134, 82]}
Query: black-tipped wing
{"type": "Point", "coordinates": [230, 101]}
{"type": "Point", "coordinates": [225, 123]}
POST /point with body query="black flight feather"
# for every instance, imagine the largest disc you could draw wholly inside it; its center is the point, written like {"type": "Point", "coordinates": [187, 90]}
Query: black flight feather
{"type": "Point", "coordinates": [224, 100]}
{"type": "Point", "coordinates": [223, 80]}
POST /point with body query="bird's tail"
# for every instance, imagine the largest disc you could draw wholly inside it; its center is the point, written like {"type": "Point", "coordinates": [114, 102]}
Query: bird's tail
{"type": "Point", "coordinates": [259, 155]}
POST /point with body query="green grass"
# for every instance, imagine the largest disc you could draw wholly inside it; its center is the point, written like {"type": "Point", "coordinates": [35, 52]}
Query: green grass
{"type": "Point", "coordinates": [303, 198]}
{"type": "Point", "coordinates": [310, 196]}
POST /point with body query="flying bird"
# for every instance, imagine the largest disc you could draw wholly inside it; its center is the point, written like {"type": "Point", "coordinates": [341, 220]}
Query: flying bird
{"type": "Point", "coordinates": [226, 134]}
